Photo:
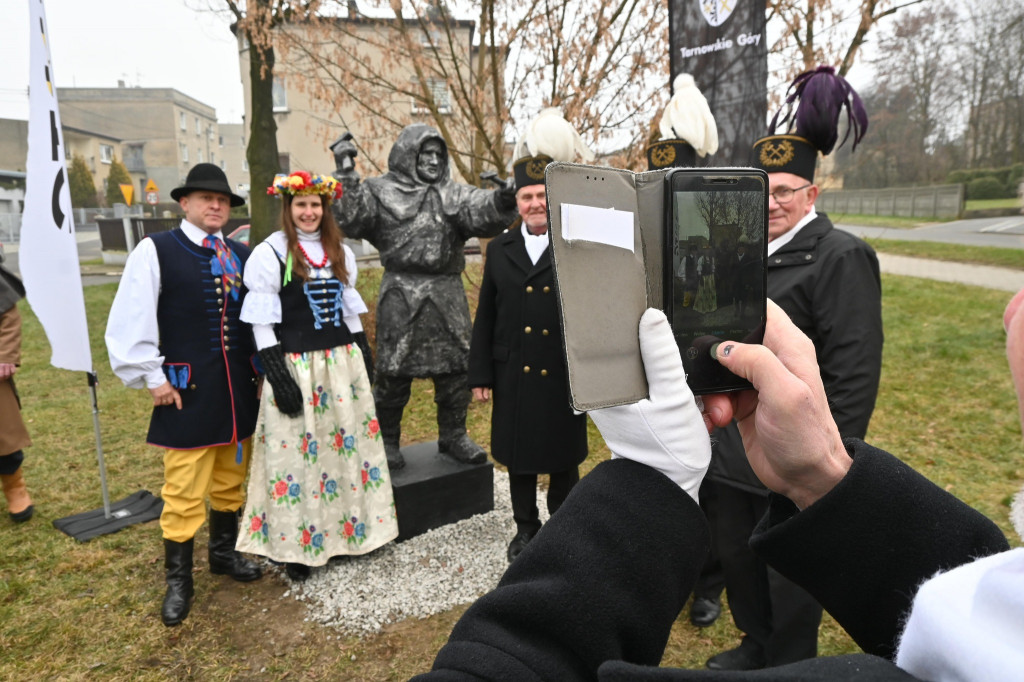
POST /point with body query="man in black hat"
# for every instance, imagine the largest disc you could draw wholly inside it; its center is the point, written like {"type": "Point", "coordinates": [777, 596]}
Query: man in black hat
{"type": "Point", "coordinates": [828, 282]}
{"type": "Point", "coordinates": [516, 357]}
{"type": "Point", "coordinates": [174, 329]}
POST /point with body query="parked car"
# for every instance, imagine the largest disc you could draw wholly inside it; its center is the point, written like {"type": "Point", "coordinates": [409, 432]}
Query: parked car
{"type": "Point", "coordinates": [240, 234]}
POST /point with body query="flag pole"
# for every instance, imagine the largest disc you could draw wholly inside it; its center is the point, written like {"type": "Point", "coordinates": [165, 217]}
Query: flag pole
{"type": "Point", "coordinates": [99, 443]}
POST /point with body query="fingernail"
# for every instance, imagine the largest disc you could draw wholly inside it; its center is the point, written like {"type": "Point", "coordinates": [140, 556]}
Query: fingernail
{"type": "Point", "coordinates": [727, 350]}
{"type": "Point", "coordinates": [714, 350]}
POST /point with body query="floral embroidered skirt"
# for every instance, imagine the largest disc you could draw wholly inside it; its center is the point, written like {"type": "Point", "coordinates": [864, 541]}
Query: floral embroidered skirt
{"type": "Point", "coordinates": [319, 484]}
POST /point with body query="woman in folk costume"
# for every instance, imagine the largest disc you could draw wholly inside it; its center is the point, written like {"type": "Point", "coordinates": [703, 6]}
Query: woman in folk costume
{"type": "Point", "coordinates": [319, 484]}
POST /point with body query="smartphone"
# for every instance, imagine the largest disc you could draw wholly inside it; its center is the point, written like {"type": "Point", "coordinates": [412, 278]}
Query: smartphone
{"type": "Point", "coordinates": [715, 283]}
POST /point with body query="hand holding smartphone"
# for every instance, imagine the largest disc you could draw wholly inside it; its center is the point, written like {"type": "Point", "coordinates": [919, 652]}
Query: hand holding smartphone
{"type": "Point", "coordinates": [714, 275]}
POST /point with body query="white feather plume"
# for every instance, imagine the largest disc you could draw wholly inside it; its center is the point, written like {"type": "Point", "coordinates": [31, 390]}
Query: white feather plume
{"type": "Point", "coordinates": [549, 133]}
{"type": "Point", "coordinates": [688, 117]}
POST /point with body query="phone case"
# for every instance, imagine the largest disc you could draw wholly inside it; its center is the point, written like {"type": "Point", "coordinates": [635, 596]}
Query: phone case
{"type": "Point", "coordinates": [604, 289]}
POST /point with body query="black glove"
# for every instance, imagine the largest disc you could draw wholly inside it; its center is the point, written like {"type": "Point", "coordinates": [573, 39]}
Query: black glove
{"type": "Point", "coordinates": [364, 346]}
{"type": "Point", "coordinates": [286, 391]}
{"type": "Point", "coordinates": [506, 197]}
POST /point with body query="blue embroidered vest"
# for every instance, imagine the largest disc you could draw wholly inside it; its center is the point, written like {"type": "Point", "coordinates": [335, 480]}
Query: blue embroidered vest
{"type": "Point", "coordinates": [207, 350]}
{"type": "Point", "coordinates": [311, 315]}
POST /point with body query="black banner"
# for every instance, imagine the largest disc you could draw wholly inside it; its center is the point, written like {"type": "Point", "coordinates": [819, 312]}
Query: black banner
{"type": "Point", "coordinates": [722, 44]}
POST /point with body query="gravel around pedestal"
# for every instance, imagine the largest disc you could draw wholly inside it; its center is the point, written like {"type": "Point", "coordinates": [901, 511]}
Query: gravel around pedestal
{"type": "Point", "coordinates": [427, 574]}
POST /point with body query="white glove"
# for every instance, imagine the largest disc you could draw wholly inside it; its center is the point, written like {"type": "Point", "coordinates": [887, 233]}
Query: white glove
{"type": "Point", "coordinates": [665, 431]}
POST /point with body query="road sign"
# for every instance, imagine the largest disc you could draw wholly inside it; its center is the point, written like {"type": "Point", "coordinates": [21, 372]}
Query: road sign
{"type": "Point", "coordinates": [126, 192]}
{"type": "Point", "coordinates": [151, 186]}
{"type": "Point", "coordinates": [152, 198]}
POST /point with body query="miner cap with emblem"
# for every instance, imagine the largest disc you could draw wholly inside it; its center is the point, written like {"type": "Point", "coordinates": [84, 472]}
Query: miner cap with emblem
{"type": "Point", "coordinates": [687, 128]}
{"type": "Point", "coordinates": [548, 137]}
{"type": "Point", "coordinates": [818, 98]}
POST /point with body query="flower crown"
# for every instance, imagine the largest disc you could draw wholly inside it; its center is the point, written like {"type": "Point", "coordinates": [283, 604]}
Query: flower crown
{"type": "Point", "coordinates": [302, 183]}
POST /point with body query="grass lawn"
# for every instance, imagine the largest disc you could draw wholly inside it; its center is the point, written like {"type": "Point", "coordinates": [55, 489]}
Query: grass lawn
{"type": "Point", "coordinates": [958, 253]}
{"type": "Point", "coordinates": [71, 611]}
{"type": "Point", "coordinates": [980, 204]}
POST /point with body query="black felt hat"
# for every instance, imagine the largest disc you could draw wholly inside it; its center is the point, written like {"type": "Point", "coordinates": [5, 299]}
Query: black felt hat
{"type": "Point", "coordinates": [671, 154]}
{"type": "Point", "coordinates": [529, 170]}
{"type": "Point", "coordinates": [786, 154]}
{"type": "Point", "coordinates": [208, 177]}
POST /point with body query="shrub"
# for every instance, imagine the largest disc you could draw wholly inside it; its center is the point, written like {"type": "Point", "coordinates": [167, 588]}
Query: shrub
{"type": "Point", "coordinates": [985, 188]}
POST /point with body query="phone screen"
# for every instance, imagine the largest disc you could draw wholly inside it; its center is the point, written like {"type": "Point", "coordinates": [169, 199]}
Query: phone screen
{"type": "Point", "coordinates": [714, 275]}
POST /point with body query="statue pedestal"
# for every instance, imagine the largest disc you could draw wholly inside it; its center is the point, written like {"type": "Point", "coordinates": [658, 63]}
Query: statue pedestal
{"type": "Point", "coordinates": [434, 490]}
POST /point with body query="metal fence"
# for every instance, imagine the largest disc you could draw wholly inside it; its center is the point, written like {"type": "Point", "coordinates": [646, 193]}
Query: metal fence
{"type": "Point", "coordinates": [122, 234]}
{"type": "Point", "coordinates": [939, 201]}
{"type": "Point", "coordinates": [85, 220]}
{"type": "Point", "coordinates": [10, 227]}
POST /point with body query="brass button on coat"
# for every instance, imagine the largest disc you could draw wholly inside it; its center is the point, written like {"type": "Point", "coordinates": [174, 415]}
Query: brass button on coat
{"type": "Point", "coordinates": [543, 372]}
{"type": "Point", "coordinates": [547, 290]}
{"type": "Point", "coordinates": [528, 330]}
{"type": "Point", "coordinates": [529, 290]}
{"type": "Point", "coordinates": [526, 369]}
{"type": "Point", "coordinates": [545, 332]}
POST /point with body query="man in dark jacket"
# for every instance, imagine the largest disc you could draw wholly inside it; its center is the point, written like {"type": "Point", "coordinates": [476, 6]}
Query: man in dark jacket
{"type": "Point", "coordinates": [596, 593]}
{"type": "Point", "coordinates": [516, 358]}
{"type": "Point", "coordinates": [828, 282]}
{"type": "Point", "coordinates": [420, 219]}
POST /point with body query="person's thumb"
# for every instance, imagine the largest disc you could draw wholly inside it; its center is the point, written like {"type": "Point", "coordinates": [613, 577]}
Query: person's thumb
{"type": "Point", "coordinates": [660, 353]}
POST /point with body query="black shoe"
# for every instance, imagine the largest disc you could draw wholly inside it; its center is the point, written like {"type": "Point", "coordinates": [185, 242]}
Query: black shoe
{"type": "Point", "coordinates": [297, 572]}
{"type": "Point", "coordinates": [463, 449]}
{"type": "Point", "coordinates": [224, 560]}
{"type": "Point", "coordinates": [178, 599]}
{"type": "Point", "coordinates": [747, 656]}
{"type": "Point", "coordinates": [519, 542]}
{"type": "Point", "coordinates": [705, 610]}
{"type": "Point", "coordinates": [24, 515]}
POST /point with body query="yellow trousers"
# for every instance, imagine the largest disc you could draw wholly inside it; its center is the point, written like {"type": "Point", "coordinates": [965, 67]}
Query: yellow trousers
{"type": "Point", "coordinates": [190, 476]}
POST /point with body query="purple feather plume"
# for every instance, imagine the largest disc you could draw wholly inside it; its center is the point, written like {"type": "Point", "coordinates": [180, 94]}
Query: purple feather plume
{"type": "Point", "coordinates": [820, 97]}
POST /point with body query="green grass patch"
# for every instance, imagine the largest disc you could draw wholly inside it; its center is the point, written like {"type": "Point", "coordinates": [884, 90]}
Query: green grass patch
{"type": "Point", "coordinates": [71, 611]}
{"type": "Point", "coordinates": [981, 204]}
{"type": "Point", "coordinates": [881, 220]}
{"type": "Point", "coordinates": [959, 253]}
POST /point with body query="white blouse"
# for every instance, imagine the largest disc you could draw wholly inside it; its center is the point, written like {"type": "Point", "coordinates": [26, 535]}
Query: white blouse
{"type": "Point", "coordinates": [262, 305]}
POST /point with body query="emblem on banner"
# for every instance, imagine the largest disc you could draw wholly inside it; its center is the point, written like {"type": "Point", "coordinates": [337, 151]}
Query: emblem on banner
{"type": "Point", "coordinates": [535, 168]}
{"type": "Point", "coordinates": [777, 154]}
{"type": "Point", "coordinates": [716, 11]}
{"type": "Point", "coordinates": [663, 155]}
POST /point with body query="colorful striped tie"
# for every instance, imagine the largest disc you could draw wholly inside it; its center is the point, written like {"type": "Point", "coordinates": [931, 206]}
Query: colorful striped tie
{"type": "Point", "coordinates": [225, 264]}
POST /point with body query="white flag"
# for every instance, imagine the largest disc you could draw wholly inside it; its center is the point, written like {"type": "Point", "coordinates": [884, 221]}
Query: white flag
{"type": "Point", "coordinates": [48, 255]}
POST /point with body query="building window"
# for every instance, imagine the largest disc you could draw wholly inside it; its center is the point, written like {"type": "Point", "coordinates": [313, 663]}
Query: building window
{"type": "Point", "coordinates": [106, 153]}
{"type": "Point", "coordinates": [213, 158]}
{"type": "Point", "coordinates": [439, 92]}
{"type": "Point", "coordinates": [199, 156]}
{"type": "Point", "coordinates": [133, 158]}
{"type": "Point", "coordinates": [184, 153]}
{"type": "Point", "coordinates": [220, 141]}
{"type": "Point", "coordinates": [223, 166]}
{"type": "Point", "coordinates": [209, 133]}
{"type": "Point", "coordinates": [199, 127]}
{"type": "Point", "coordinates": [245, 165]}
{"type": "Point", "coordinates": [182, 121]}
{"type": "Point", "coordinates": [280, 95]}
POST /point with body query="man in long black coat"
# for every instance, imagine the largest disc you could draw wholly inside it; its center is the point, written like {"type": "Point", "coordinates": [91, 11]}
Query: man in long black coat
{"type": "Point", "coordinates": [516, 356]}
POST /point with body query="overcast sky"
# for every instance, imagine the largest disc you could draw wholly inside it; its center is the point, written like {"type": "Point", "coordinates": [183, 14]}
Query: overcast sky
{"type": "Point", "coordinates": [146, 43]}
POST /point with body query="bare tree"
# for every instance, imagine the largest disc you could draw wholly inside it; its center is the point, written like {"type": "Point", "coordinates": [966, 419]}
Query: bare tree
{"type": "Point", "coordinates": [813, 30]}
{"type": "Point", "coordinates": [473, 76]}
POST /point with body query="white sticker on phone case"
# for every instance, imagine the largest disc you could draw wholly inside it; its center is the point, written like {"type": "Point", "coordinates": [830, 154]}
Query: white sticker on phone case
{"type": "Point", "coordinates": [601, 225]}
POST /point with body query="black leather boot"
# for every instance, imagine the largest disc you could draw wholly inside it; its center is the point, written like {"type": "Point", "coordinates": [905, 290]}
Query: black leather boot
{"type": "Point", "coordinates": [178, 599]}
{"type": "Point", "coordinates": [224, 560]}
{"type": "Point", "coordinates": [390, 421]}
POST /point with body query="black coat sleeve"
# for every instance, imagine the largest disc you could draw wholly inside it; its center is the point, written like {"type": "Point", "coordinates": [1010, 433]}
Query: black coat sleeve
{"type": "Point", "coordinates": [481, 362]}
{"type": "Point", "coordinates": [603, 580]}
{"type": "Point", "coordinates": [848, 320]}
{"type": "Point", "coordinates": [863, 549]}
